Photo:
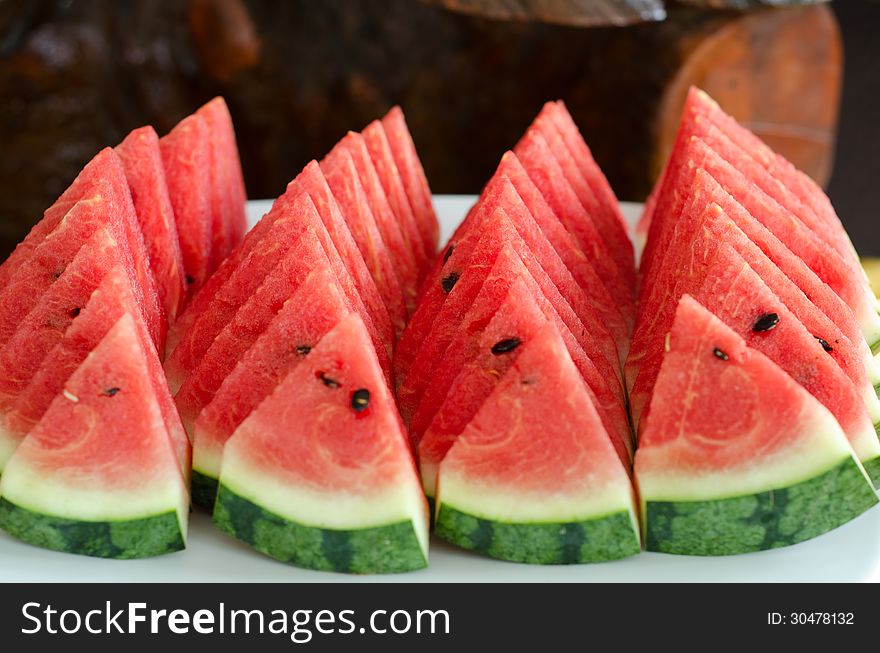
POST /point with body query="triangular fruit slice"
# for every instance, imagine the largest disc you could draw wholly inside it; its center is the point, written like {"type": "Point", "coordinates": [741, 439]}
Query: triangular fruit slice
{"type": "Point", "coordinates": [341, 174]}
{"type": "Point", "coordinates": [404, 258]}
{"type": "Point", "coordinates": [537, 158]}
{"type": "Point", "coordinates": [186, 155]}
{"type": "Point", "coordinates": [413, 176]}
{"type": "Point", "coordinates": [534, 477]}
{"type": "Point", "coordinates": [249, 321]}
{"type": "Point", "coordinates": [228, 195]}
{"type": "Point", "coordinates": [752, 461]}
{"type": "Point", "coordinates": [108, 303]}
{"type": "Point", "coordinates": [98, 475]}
{"type": "Point", "coordinates": [320, 475]}
{"type": "Point", "coordinates": [509, 300]}
{"type": "Point", "coordinates": [383, 159]}
{"type": "Point", "coordinates": [464, 283]}
{"type": "Point", "coordinates": [315, 308]}
{"type": "Point", "coordinates": [205, 317]}
{"type": "Point", "coordinates": [146, 178]}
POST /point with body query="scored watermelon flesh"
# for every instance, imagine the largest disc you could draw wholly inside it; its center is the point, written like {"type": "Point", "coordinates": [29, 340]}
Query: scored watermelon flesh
{"type": "Point", "coordinates": [534, 477]}
{"type": "Point", "coordinates": [228, 195]}
{"type": "Point", "coordinates": [248, 322]}
{"type": "Point", "coordinates": [111, 301]}
{"type": "Point", "coordinates": [187, 157]}
{"type": "Point", "coordinates": [472, 384]}
{"type": "Point", "coordinates": [314, 464]}
{"type": "Point", "coordinates": [101, 453]}
{"type": "Point", "coordinates": [315, 308]}
{"type": "Point", "coordinates": [145, 173]}
{"type": "Point", "coordinates": [744, 465]}
{"type": "Point", "coordinates": [342, 178]}
{"type": "Point", "coordinates": [498, 229]}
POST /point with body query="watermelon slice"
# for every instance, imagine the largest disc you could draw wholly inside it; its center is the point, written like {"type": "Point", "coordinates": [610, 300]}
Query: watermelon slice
{"type": "Point", "coordinates": [98, 475]}
{"type": "Point", "coordinates": [413, 176]}
{"type": "Point", "coordinates": [315, 308]}
{"type": "Point", "coordinates": [766, 466]}
{"type": "Point", "coordinates": [112, 300]}
{"type": "Point", "coordinates": [249, 321]}
{"type": "Point", "coordinates": [103, 198]}
{"type": "Point", "coordinates": [540, 162]}
{"type": "Point", "coordinates": [146, 179]}
{"type": "Point", "coordinates": [383, 159]}
{"type": "Point", "coordinates": [405, 263]}
{"type": "Point", "coordinates": [606, 215]}
{"type": "Point", "coordinates": [534, 477]}
{"type": "Point", "coordinates": [228, 195]}
{"type": "Point", "coordinates": [187, 157]}
{"type": "Point", "coordinates": [586, 334]}
{"type": "Point", "coordinates": [342, 177]}
{"type": "Point", "coordinates": [320, 474]}
{"type": "Point", "coordinates": [477, 378]}
{"type": "Point", "coordinates": [733, 292]}
{"type": "Point", "coordinates": [213, 308]}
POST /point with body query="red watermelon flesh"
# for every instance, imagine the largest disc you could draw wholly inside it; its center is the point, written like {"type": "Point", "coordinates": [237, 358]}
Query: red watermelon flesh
{"type": "Point", "coordinates": [228, 195]}
{"type": "Point", "coordinates": [504, 316]}
{"type": "Point", "coordinates": [460, 254]}
{"type": "Point", "coordinates": [561, 118]}
{"type": "Point", "coordinates": [187, 157]}
{"type": "Point", "coordinates": [110, 302]}
{"type": "Point", "coordinates": [734, 293]}
{"type": "Point", "coordinates": [498, 229]}
{"type": "Point", "coordinates": [390, 176]}
{"type": "Point", "coordinates": [286, 222]}
{"type": "Point", "coordinates": [413, 176]}
{"type": "Point", "coordinates": [537, 158]}
{"type": "Point", "coordinates": [697, 232]}
{"type": "Point", "coordinates": [339, 170]}
{"type": "Point", "coordinates": [609, 223]}
{"type": "Point", "coordinates": [404, 258]}
{"type": "Point", "coordinates": [146, 178]}
{"type": "Point", "coordinates": [476, 380]}
{"type": "Point", "coordinates": [313, 310]}
{"type": "Point", "coordinates": [45, 324]}
{"type": "Point", "coordinates": [249, 321]}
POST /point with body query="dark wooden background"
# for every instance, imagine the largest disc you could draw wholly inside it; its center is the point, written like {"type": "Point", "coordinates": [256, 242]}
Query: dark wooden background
{"type": "Point", "coordinates": [76, 75]}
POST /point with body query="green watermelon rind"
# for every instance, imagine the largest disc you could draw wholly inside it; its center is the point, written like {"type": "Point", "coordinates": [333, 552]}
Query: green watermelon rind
{"type": "Point", "coordinates": [872, 469]}
{"type": "Point", "coordinates": [599, 539]}
{"type": "Point", "coordinates": [765, 520]}
{"type": "Point", "coordinates": [204, 489]}
{"type": "Point", "coordinates": [123, 539]}
{"type": "Point", "coordinates": [386, 549]}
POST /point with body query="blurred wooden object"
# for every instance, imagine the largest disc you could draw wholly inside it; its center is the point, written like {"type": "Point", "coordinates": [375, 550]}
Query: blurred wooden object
{"type": "Point", "coordinates": [741, 5]}
{"type": "Point", "coordinates": [777, 72]}
{"type": "Point", "coordinates": [575, 13]}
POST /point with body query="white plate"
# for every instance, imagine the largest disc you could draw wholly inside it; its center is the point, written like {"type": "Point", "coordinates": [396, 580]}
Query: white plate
{"type": "Point", "coordinates": [849, 553]}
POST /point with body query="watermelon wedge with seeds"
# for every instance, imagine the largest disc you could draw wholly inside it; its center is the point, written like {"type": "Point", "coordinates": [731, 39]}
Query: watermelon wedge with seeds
{"type": "Point", "coordinates": [752, 462]}
{"type": "Point", "coordinates": [320, 475]}
{"type": "Point", "coordinates": [187, 157]}
{"type": "Point", "coordinates": [145, 173]}
{"type": "Point", "coordinates": [98, 475]}
{"type": "Point", "coordinates": [534, 478]}
{"type": "Point", "coordinates": [314, 308]}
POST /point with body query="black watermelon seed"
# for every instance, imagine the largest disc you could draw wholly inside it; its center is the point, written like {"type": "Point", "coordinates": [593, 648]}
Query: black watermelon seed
{"type": "Point", "coordinates": [766, 322]}
{"type": "Point", "coordinates": [824, 344]}
{"type": "Point", "coordinates": [448, 252]}
{"type": "Point", "coordinates": [190, 280]}
{"type": "Point", "coordinates": [110, 392]}
{"type": "Point", "coordinates": [720, 354]}
{"type": "Point", "coordinates": [360, 400]}
{"type": "Point", "coordinates": [505, 346]}
{"type": "Point", "coordinates": [74, 312]}
{"type": "Point", "coordinates": [326, 380]}
{"type": "Point", "coordinates": [449, 281]}
{"type": "Point", "coordinates": [302, 350]}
